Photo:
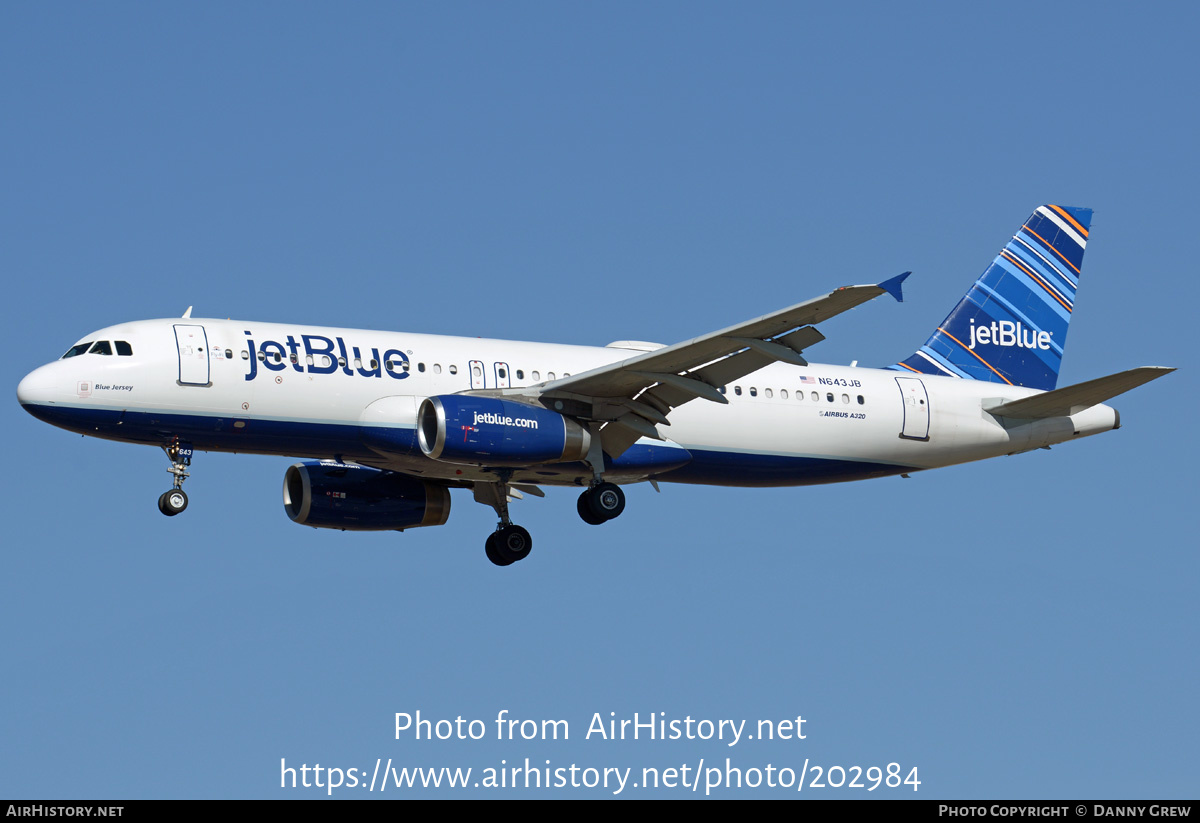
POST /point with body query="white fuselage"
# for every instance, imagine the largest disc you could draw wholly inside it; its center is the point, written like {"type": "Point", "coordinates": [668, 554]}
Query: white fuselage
{"type": "Point", "coordinates": [303, 391]}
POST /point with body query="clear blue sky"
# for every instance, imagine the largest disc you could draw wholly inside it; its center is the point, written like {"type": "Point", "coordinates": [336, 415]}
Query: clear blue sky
{"type": "Point", "coordinates": [1024, 627]}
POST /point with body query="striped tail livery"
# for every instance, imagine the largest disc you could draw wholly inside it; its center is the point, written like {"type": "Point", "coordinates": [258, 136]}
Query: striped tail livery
{"type": "Point", "coordinates": [1011, 326]}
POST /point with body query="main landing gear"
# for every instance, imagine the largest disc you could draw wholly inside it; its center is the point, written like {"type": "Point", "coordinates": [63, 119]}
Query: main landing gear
{"type": "Point", "coordinates": [509, 542]}
{"type": "Point", "coordinates": [175, 501]}
{"type": "Point", "coordinates": [601, 503]}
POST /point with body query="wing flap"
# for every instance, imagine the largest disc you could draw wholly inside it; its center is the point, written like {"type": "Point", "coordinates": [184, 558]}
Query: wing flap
{"type": "Point", "coordinates": [616, 439]}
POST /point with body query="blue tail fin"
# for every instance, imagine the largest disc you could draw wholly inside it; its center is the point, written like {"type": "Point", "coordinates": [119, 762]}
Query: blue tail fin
{"type": "Point", "coordinates": [1011, 326]}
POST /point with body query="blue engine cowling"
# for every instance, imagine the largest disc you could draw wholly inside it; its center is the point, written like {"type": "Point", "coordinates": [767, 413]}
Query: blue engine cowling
{"type": "Point", "coordinates": [331, 495]}
{"type": "Point", "coordinates": [487, 431]}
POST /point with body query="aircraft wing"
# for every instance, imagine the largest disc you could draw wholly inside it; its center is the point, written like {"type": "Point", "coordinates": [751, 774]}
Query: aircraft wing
{"type": "Point", "coordinates": [634, 396]}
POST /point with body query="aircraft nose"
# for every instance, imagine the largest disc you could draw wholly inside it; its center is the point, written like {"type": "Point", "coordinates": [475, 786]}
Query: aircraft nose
{"type": "Point", "coordinates": [36, 388]}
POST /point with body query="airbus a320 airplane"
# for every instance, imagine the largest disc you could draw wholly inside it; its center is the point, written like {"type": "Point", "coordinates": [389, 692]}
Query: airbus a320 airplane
{"type": "Point", "coordinates": [393, 421]}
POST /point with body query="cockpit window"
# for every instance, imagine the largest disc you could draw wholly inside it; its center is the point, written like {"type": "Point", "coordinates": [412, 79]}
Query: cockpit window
{"type": "Point", "coordinates": [101, 347]}
{"type": "Point", "coordinates": [124, 349]}
{"type": "Point", "coordinates": [77, 350]}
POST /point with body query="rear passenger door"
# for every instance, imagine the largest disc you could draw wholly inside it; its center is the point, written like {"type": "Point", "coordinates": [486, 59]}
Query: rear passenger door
{"type": "Point", "coordinates": [916, 408]}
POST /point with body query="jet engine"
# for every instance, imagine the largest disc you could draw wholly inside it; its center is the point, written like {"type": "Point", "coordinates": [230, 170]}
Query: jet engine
{"type": "Point", "coordinates": [330, 495]}
{"type": "Point", "coordinates": [478, 431]}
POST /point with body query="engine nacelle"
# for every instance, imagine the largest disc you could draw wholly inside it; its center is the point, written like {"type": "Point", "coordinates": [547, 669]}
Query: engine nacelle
{"type": "Point", "coordinates": [458, 428]}
{"type": "Point", "coordinates": [331, 495]}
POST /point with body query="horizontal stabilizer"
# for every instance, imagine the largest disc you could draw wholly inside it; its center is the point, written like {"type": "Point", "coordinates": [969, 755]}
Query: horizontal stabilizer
{"type": "Point", "coordinates": [1073, 399]}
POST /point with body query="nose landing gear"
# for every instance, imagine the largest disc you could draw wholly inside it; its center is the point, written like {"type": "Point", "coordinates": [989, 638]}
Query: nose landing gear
{"type": "Point", "coordinates": [175, 501]}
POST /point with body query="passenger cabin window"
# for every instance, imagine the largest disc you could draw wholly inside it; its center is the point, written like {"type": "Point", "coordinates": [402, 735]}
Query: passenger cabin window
{"type": "Point", "coordinates": [75, 351]}
{"type": "Point", "coordinates": [126, 350]}
{"type": "Point", "coordinates": [454, 369]}
{"type": "Point", "coordinates": [520, 374]}
{"type": "Point", "coordinates": [101, 347]}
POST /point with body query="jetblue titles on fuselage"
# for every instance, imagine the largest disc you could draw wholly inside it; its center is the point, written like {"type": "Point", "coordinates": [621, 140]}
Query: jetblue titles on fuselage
{"type": "Point", "coordinates": [323, 355]}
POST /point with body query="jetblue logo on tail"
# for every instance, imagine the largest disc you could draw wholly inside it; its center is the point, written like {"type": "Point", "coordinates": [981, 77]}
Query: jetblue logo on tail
{"type": "Point", "coordinates": [1011, 325]}
{"type": "Point", "coordinates": [1008, 333]}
